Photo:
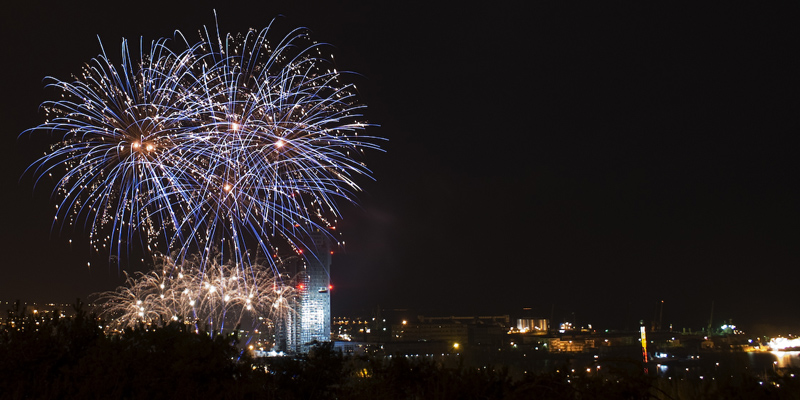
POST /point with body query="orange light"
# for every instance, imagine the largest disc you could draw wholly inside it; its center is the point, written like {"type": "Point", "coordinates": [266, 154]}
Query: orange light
{"type": "Point", "coordinates": [301, 286]}
{"type": "Point", "coordinates": [330, 287]}
{"type": "Point", "coordinates": [331, 251]}
{"type": "Point", "coordinates": [300, 251]}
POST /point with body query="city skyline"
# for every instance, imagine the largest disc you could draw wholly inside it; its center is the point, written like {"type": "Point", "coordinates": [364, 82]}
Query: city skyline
{"type": "Point", "coordinates": [583, 160]}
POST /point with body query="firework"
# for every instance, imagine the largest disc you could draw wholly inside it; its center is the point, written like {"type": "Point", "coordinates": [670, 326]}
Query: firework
{"type": "Point", "coordinates": [121, 129]}
{"type": "Point", "coordinates": [284, 127]}
{"type": "Point", "coordinates": [209, 294]}
{"type": "Point", "coordinates": [234, 142]}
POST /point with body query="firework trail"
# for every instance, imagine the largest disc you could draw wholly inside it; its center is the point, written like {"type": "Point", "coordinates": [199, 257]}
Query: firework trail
{"type": "Point", "coordinates": [121, 129]}
{"type": "Point", "coordinates": [234, 142]}
{"type": "Point", "coordinates": [209, 294]}
{"type": "Point", "coordinates": [277, 141]}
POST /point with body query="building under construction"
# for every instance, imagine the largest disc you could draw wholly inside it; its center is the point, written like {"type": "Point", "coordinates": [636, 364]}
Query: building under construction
{"type": "Point", "coordinates": [310, 318]}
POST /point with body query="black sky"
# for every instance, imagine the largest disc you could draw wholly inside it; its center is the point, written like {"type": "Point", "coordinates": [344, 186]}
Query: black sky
{"type": "Point", "coordinates": [573, 159]}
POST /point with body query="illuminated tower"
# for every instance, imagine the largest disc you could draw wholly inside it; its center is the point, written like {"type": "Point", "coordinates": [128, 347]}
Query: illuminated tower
{"type": "Point", "coordinates": [310, 320]}
{"type": "Point", "coordinates": [315, 307]}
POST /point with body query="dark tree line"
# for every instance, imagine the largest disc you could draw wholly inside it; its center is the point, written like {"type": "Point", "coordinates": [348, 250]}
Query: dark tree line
{"type": "Point", "coordinates": [46, 357]}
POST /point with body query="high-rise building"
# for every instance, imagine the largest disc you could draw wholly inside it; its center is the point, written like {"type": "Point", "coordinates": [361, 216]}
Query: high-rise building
{"type": "Point", "coordinates": [310, 319]}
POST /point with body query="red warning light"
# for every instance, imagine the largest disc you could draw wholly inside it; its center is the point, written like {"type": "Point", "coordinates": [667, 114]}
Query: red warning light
{"type": "Point", "coordinates": [330, 287]}
{"type": "Point", "coordinates": [299, 251]}
{"type": "Point", "coordinates": [331, 251]}
{"type": "Point", "coordinates": [301, 286]}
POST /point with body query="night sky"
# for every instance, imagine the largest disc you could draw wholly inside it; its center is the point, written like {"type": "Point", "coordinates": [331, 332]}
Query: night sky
{"type": "Point", "coordinates": [587, 162]}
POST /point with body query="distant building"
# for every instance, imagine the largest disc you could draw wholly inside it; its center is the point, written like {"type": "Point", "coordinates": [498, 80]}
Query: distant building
{"type": "Point", "coordinates": [533, 325]}
{"type": "Point", "coordinates": [472, 330]}
{"type": "Point", "coordinates": [572, 344]}
{"type": "Point", "coordinates": [374, 330]}
{"type": "Point", "coordinates": [482, 319]}
{"type": "Point", "coordinates": [445, 331]}
{"type": "Point", "coordinates": [310, 319]}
